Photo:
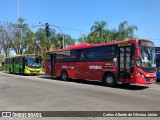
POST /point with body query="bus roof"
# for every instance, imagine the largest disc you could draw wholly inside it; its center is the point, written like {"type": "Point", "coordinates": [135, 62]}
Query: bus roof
{"type": "Point", "coordinates": [89, 45]}
{"type": "Point", "coordinates": [20, 55]}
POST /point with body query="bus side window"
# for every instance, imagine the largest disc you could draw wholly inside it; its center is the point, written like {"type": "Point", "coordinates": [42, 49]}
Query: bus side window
{"type": "Point", "coordinates": [79, 55]}
{"type": "Point", "coordinates": [89, 54]}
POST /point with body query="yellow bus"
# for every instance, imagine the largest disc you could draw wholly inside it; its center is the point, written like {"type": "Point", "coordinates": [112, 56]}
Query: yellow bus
{"type": "Point", "coordinates": [24, 64]}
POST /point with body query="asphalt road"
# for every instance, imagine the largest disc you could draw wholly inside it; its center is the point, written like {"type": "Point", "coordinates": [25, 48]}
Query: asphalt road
{"type": "Point", "coordinates": [42, 93]}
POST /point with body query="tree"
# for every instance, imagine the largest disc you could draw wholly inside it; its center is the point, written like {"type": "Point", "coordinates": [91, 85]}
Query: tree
{"type": "Point", "coordinates": [59, 40]}
{"type": "Point", "coordinates": [101, 35]}
{"type": "Point", "coordinates": [5, 37]}
{"type": "Point", "coordinates": [69, 40]}
{"type": "Point", "coordinates": [109, 35]}
{"type": "Point", "coordinates": [126, 31]}
{"type": "Point", "coordinates": [42, 44]}
{"type": "Point", "coordinates": [99, 28]}
{"type": "Point", "coordinates": [23, 36]}
{"type": "Point", "coordinates": [93, 37]}
{"type": "Point", "coordinates": [29, 44]}
{"type": "Point", "coordinates": [40, 41]}
{"type": "Point", "coordinates": [82, 38]}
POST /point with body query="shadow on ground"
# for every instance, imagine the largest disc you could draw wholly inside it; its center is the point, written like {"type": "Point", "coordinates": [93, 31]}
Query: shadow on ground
{"type": "Point", "coordinates": [96, 83]}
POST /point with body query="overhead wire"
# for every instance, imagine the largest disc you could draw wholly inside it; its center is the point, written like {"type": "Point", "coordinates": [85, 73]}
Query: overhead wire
{"type": "Point", "coordinates": [76, 30]}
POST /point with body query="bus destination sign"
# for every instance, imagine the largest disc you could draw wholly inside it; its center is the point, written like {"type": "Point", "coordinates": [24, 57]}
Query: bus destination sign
{"type": "Point", "coordinates": [145, 43]}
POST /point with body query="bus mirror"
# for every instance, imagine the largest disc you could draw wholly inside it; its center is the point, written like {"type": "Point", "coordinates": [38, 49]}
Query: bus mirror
{"type": "Point", "coordinates": [138, 53]}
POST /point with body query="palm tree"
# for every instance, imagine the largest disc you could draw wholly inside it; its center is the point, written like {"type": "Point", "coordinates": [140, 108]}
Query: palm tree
{"type": "Point", "coordinates": [126, 31]}
{"type": "Point", "coordinates": [109, 35]}
{"type": "Point", "coordinates": [69, 40]}
{"type": "Point", "coordinates": [93, 38]}
{"type": "Point", "coordinates": [82, 38]}
{"type": "Point", "coordinates": [99, 28]}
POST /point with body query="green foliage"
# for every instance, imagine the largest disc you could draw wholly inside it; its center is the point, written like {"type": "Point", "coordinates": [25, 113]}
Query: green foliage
{"type": "Point", "coordinates": [5, 37]}
{"type": "Point", "coordinates": [101, 35]}
{"type": "Point", "coordinates": [82, 38]}
{"type": "Point", "coordinates": [41, 43]}
{"type": "Point", "coordinates": [99, 28]}
{"type": "Point", "coordinates": [21, 39]}
{"type": "Point", "coordinates": [126, 31]}
{"type": "Point", "coordinates": [69, 40]}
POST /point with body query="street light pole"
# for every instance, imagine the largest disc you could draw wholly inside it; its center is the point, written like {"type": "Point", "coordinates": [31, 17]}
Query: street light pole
{"type": "Point", "coordinates": [18, 9]}
{"type": "Point", "coordinates": [18, 15]}
{"type": "Point", "coordinates": [61, 32]}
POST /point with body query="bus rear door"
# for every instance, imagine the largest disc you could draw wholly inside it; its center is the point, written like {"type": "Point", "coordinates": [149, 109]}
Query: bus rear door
{"type": "Point", "coordinates": [52, 64]}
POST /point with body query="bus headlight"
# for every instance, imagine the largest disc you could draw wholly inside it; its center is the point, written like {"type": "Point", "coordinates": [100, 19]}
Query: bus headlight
{"type": "Point", "coordinates": [140, 74]}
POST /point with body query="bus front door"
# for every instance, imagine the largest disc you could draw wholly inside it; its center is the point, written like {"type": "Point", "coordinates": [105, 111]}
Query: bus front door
{"type": "Point", "coordinates": [124, 64]}
{"type": "Point", "coordinates": [52, 64]}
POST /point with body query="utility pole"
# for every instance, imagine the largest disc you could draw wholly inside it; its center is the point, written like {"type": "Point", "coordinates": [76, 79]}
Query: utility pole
{"type": "Point", "coordinates": [18, 14]}
{"type": "Point", "coordinates": [19, 28]}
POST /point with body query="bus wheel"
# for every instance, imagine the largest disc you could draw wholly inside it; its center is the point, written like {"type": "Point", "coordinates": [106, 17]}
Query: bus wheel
{"type": "Point", "coordinates": [64, 76]}
{"type": "Point", "coordinates": [109, 80]}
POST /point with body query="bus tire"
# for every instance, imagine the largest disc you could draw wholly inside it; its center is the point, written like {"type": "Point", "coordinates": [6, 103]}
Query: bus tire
{"type": "Point", "coordinates": [109, 80]}
{"type": "Point", "coordinates": [64, 76]}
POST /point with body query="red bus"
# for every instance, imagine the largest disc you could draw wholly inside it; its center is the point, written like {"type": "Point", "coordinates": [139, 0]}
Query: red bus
{"type": "Point", "coordinates": [130, 61]}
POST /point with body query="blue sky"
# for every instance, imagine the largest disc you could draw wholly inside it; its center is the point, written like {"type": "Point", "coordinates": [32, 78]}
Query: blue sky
{"type": "Point", "coordinates": [81, 14]}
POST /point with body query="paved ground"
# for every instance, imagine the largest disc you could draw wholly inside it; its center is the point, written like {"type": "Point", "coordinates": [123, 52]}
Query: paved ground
{"type": "Point", "coordinates": [41, 93]}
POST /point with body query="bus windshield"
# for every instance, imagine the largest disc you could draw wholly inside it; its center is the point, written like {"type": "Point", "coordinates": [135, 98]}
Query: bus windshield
{"type": "Point", "coordinates": [34, 62]}
{"type": "Point", "coordinates": [147, 61]}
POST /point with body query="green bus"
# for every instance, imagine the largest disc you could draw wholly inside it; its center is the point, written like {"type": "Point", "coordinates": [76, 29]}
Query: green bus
{"type": "Point", "coordinates": [24, 64]}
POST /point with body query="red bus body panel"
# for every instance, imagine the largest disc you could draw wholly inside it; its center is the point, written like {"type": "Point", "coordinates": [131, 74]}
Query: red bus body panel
{"type": "Point", "coordinates": [96, 70]}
